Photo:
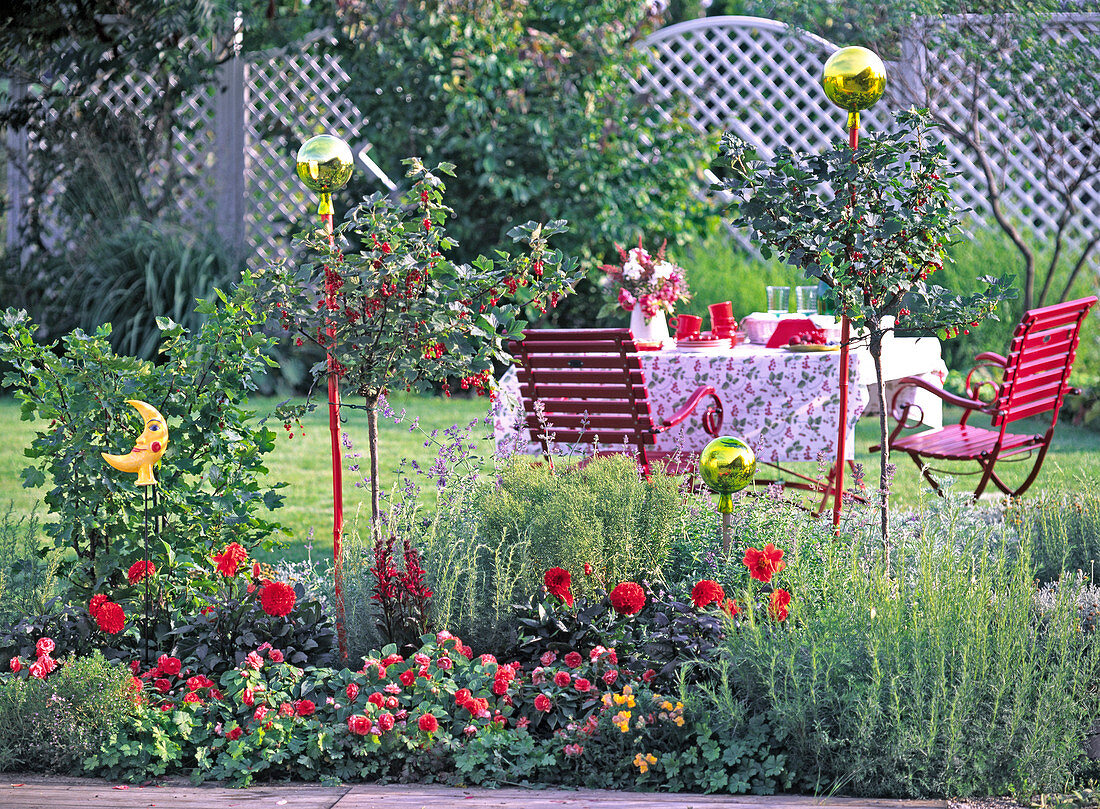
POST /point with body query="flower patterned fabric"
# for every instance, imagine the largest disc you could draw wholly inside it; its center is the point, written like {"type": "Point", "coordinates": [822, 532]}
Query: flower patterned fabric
{"type": "Point", "coordinates": [784, 404]}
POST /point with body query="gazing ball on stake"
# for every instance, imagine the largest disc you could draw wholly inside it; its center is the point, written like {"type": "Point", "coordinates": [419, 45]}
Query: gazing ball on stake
{"type": "Point", "coordinates": [854, 78]}
{"type": "Point", "coordinates": [727, 465]}
{"type": "Point", "coordinates": [324, 165]}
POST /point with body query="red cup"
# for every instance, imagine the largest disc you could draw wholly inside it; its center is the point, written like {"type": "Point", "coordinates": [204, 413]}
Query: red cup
{"type": "Point", "coordinates": [721, 319]}
{"type": "Point", "coordinates": [686, 326]}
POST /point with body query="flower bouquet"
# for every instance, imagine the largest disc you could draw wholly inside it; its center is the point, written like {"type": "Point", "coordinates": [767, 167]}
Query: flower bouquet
{"type": "Point", "coordinates": [649, 282]}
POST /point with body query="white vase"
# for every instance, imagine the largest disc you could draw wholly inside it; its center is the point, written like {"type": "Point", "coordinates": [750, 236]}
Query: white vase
{"type": "Point", "coordinates": [656, 329]}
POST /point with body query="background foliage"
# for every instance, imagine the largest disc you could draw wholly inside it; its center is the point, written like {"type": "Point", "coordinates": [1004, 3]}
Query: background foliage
{"type": "Point", "coordinates": [210, 480]}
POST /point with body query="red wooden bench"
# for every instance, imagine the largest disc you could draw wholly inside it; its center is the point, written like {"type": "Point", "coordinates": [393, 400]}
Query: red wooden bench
{"type": "Point", "coordinates": [587, 386]}
{"type": "Point", "coordinates": [1034, 381]}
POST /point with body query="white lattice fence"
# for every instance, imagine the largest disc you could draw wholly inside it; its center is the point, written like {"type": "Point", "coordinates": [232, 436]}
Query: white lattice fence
{"type": "Point", "coordinates": [291, 98]}
{"type": "Point", "coordinates": [761, 80]}
{"type": "Point", "coordinates": [756, 78]}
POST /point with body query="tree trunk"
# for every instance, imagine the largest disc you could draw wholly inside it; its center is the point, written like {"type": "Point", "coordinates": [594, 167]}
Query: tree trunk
{"type": "Point", "coordinates": [372, 446]}
{"type": "Point", "coordinates": [884, 453]}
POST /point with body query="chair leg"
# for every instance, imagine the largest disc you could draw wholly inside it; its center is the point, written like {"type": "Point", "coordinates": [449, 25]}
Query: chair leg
{"type": "Point", "coordinates": [1034, 473]}
{"type": "Point", "coordinates": [987, 466]}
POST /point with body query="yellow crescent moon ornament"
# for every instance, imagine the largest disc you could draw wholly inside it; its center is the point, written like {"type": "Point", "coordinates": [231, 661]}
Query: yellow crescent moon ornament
{"type": "Point", "coordinates": [148, 448]}
{"type": "Point", "coordinates": [727, 465]}
{"type": "Point", "coordinates": [854, 78]}
{"type": "Point", "coordinates": [324, 164]}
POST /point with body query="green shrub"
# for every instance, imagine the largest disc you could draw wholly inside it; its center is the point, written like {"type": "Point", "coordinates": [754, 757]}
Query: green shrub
{"type": "Point", "coordinates": [933, 674]}
{"type": "Point", "coordinates": [602, 514]}
{"type": "Point", "coordinates": [52, 724]}
{"type": "Point", "coordinates": [1064, 532]}
{"type": "Point", "coordinates": [131, 274]}
{"type": "Point", "coordinates": [210, 479]}
{"type": "Point", "coordinates": [27, 579]}
{"type": "Point", "coordinates": [532, 101]}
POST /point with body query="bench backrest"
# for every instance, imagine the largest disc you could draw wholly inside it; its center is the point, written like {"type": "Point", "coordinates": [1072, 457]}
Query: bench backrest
{"type": "Point", "coordinates": [1040, 359]}
{"type": "Point", "coordinates": [589, 385]}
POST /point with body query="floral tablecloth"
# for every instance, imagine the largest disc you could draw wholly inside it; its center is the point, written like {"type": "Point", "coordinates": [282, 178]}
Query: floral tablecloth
{"type": "Point", "coordinates": [785, 405]}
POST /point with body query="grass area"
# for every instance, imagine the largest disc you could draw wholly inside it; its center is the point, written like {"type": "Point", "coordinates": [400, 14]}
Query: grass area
{"type": "Point", "coordinates": [304, 462]}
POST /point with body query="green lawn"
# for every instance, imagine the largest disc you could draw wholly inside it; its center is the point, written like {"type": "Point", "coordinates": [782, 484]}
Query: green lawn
{"type": "Point", "coordinates": [303, 462]}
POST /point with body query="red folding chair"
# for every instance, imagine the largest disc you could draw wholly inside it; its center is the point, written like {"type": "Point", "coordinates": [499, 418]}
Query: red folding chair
{"type": "Point", "coordinates": [587, 386]}
{"type": "Point", "coordinates": [1034, 382]}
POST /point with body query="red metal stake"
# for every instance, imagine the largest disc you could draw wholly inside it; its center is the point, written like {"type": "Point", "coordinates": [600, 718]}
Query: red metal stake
{"type": "Point", "coordinates": [337, 457]}
{"type": "Point", "coordinates": [845, 334]}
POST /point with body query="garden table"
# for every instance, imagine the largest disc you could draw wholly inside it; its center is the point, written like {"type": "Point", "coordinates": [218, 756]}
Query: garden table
{"type": "Point", "coordinates": [784, 404]}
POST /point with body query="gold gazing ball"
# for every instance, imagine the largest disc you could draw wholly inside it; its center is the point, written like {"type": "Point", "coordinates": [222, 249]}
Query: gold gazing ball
{"type": "Point", "coordinates": [324, 163]}
{"type": "Point", "coordinates": [854, 78]}
{"type": "Point", "coordinates": [727, 465]}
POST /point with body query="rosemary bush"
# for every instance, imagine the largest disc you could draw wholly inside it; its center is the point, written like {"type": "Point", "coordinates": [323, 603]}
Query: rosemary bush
{"type": "Point", "coordinates": [27, 578]}
{"type": "Point", "coordinates": [933, 674]}
{"type": "Point", "coordinates": [51, 725]}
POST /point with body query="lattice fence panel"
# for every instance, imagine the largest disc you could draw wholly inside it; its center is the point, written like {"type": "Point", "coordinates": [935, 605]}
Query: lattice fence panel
{"type": "Point", "coordinates": [190, 161]}
{"type": "Point", "coordinates": [291, 98]}
{"type": "Point", "coordinates": [760, 80]}
{"type": "Point", "coordinates": [1034, 167]}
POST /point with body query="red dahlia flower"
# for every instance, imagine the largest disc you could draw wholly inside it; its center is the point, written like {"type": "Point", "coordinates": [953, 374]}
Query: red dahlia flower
{"type": "Point", "coordinates": [304, 707]}
{"type": "Point", "coordinates": [557, 581]}
{"type": "Point", "coordinates": [573, 659]}
{"type": "Point", "coordinates": [582, 685]}
{"type": "Point", "coordinates": [352, 691]}
{"type": "Point", "coordinates": [277, 598]}
{"type": "Point", "coordinates": [428, 723]}
{"type": "Point", "coordinates": [139, 570]}
{"type": "Point", "coordinates": [234, 734]}
{"type": "Point", "coordinates": [230, 559]}
{"type": "Point", "coordinates": [98, 600]}
{"type": "Point", "coordinates": [628, 598]}
{"type": "Point", "coordinates": [777, 604]}
{"type": "Point", "coordinates": [764, 564]}
{"type": "Point", "coordinates": [16, 665]}
{"type": "Point", "coordinates": [562, 679]}
{"type": "Point", "coordinates": [707, 592]}
{"type": "Point", "coordinates": [385, 721]}
{"type": "Point", "coordinates": [44, 647]}
{"type": "Point", "coordinates": [110, 618]}
{"type": "Point", "coordinates": [542, 703]}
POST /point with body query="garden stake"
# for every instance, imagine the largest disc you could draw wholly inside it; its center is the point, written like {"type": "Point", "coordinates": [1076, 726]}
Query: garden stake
{"type": "Point", "coordinates": [726, 465]}
{"type": "Point", "coordinates": [147, 451]}
{"type": "Point", "coordinates": [854, 78]}
{"type": "Point", "coordinates": [324, 165]}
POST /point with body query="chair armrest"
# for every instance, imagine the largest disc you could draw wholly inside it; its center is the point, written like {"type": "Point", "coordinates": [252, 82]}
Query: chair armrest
{"type": "Point", "coordinates": [950, 398]}
{"type": "Point", "coordinates": [991, 357]}
{"type": "Point", "coordinates": [689, 407]}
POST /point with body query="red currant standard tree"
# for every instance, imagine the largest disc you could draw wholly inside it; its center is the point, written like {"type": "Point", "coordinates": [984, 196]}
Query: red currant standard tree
{"type": "Point", "coordinates": [397, 314]}
{"type": "Point", "coordinates": [872, 224]}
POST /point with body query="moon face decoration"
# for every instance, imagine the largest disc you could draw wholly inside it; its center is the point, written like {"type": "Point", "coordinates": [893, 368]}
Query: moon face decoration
{"type": "Point", "coordinates": [148, 447]}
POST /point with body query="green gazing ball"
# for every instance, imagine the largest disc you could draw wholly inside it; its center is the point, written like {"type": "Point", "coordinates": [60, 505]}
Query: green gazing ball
{"type": "Point", "coordinates": [324, 163]}
{"type": "Point", "coordinates": [727, 465]}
